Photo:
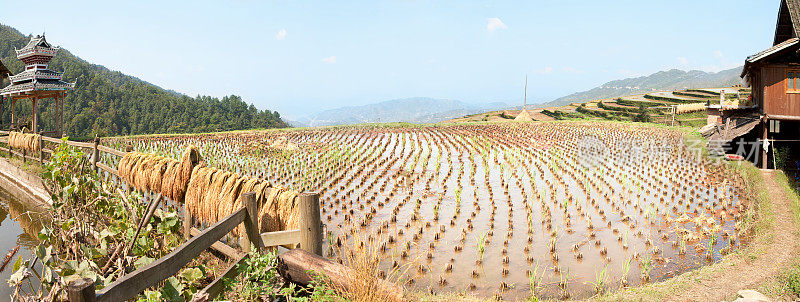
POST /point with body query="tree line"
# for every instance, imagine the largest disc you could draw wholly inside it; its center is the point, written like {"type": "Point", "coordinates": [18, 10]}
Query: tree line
{"type": "Point", "coordinates": [107, 102]}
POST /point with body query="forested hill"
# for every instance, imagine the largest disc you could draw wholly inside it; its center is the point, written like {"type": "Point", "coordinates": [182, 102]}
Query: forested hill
{"type": "Point", "coordinates": [107, 102]}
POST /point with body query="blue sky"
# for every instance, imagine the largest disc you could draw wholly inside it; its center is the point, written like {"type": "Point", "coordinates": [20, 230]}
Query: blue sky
{"type": "Point", "coordinates": [305, 56]}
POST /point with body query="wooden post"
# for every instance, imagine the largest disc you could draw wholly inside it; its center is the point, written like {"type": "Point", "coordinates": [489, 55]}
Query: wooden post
{"type": "Point", "coordinates": [251, 222]}
{"type": "Point", "coordinates": [13, 115]}
{"type": "Point", "coordinates": [35, 123]}
{"type": "Point", "coordinates": [310, 223]}
{"type": "Point", "coordinates": [41, 150]}
{"type": "Point", "coordinates": [95, 154]}
{"type": "Point", "coordinates": [764, 123]}
{"type": "Point", "coordinates": [81, 290]}
{"type": "Point", "coordinates": [187, 223]}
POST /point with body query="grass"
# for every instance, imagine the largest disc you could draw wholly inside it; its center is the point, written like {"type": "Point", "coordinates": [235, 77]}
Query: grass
{"type": "Point", "coordinates": [364, 283]}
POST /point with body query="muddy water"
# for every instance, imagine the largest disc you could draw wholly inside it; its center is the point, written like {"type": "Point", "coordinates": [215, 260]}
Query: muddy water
{"type": "Point", "coordinates": [630, 237]}
{"type": "Point", "coordinates": [17, 228]}
{"type": "Point", "coordinates": [578, 204]}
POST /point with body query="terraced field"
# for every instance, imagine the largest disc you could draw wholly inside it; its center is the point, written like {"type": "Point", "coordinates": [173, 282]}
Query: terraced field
{"type": "Point", "coordinates": [555, 209]}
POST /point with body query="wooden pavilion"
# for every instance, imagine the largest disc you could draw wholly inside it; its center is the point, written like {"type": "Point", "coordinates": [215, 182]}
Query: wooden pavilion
{"type": "Point", "coordinates": [774, 77]}
{"type": "Point", "coordinates": [36, 83]}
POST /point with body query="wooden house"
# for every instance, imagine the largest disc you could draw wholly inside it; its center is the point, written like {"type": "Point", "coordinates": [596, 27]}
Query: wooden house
{"type": "Point", "coordinates": [774, 78]}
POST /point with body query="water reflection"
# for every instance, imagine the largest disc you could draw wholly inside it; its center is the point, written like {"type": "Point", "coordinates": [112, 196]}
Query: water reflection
{"type": "Point", "coordinates": [18, 227]}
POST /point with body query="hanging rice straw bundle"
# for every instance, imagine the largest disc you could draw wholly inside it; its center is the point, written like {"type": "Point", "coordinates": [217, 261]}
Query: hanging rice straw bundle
{"type": "Point", "coordinates": [286, 208]}
{"type": "Point", "coordinates": [189, 159]}
{"type": "Point", "coordinates": [196, 187]}
{"type": "Point", "coordinates": [268, 215]}
{"type": "Point", "coordinates": [149, 172]}
{"type": "Point", "coordinates": [26, 141]}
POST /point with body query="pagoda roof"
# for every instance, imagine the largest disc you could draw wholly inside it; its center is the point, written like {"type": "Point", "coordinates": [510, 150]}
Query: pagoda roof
{"type": "Point", "coordinates": [39, 85]}
{"type": "Point", "coordinates": [39, 74]}
{"type": "Point", "coordinates": [38, 45]}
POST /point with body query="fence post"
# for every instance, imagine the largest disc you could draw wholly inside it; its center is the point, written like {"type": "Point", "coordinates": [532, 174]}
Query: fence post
{"type": "Point", "coordinates": [95, 154]}
{"type": "Point", "coordinates": [253, 231]}
{"type": "Point", "coordinates": [41, 149]}
{"type": "Point", "coordinates": [310, 223]}
{"type": "Point", "coordinates": [81, 290]}
{"type": "Point", "coordinates": [187, 223]}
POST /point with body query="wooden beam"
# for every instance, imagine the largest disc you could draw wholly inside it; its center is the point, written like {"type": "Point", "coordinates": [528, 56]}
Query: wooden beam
{"type": "Point", "coordinates": [281, 238]}
{"type": "Point", "coordinates": [783, 117]}
{"type": "Point", "coordinates": [139, 280]}
{"type": "Point", "coordinates": [108, 169]}
{"type": "Point", "coordinates": [111, 151]}
{"type": "Point", "coordinates": [219, 246]}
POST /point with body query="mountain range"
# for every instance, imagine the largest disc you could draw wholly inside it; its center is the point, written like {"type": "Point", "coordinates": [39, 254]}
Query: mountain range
{"type": "Point", "coordinates": [430, 110]}
{"type": "Point", "coordinates": [660, 81]}
{"type": "Point", "coordinates": [412, 110]}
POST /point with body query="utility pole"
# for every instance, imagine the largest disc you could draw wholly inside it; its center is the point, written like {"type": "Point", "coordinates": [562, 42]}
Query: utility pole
{"type": "Point", "coordinates": [525, 94]}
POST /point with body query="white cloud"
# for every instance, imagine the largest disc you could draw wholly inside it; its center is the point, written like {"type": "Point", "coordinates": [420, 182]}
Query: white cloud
{"type": "Point", "coordinates": [718, 55]}
{"type": "Point", "coordinates": [568, 69]}
{"type": "Point", "coordinates": [281, 35]}
{"type": "Point", "coordinates": [329, 60]}
{"type": "Point", "coordinates": [494, 24]}
{"type": "Point", "coordinates": [683, 61]}
{"type": "Point", "coordinates": [546, 70]}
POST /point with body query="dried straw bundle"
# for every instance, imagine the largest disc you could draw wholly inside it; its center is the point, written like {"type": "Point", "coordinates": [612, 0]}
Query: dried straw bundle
{"type": "Point", "coordinates": [26, 141]}
{"type": "Point", "coordinates": [149, 172]}
{"type": "Point", "coordinates": [213, 194]}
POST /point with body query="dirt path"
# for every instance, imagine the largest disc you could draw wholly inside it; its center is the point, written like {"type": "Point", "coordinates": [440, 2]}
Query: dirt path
{"type": "Point", "coordinates": [749, 270]}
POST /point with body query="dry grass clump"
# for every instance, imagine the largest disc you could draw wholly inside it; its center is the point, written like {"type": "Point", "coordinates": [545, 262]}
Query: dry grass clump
{"type": "Point", "coordinates": [26, 141]}
{"type": "Point", "coordinates": [366, 281]}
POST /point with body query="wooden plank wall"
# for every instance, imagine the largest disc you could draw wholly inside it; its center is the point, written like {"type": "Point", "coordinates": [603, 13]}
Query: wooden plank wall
{"type": "Point", "coordinates": [776, 100]}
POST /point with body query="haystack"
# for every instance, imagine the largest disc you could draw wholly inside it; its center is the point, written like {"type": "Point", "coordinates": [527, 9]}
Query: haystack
{"type": "Point", "coordinates": [523, 116]}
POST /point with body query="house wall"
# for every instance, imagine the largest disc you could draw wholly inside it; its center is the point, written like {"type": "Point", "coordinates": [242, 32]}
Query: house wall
{"type": "Point", "coordinates": [775, 98]}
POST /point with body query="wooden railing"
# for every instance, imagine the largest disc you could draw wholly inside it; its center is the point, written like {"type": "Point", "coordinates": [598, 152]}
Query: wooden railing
{"type": "Point", "coordinates": [307, 238]}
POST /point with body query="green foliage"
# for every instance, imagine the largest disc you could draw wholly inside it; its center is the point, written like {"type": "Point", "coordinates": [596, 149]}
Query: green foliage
{"type": "Point", "coordinates": [108, 102]}
{"type": "Point", "coordinates": [783, 157]}
{"type": "Point", "coordinates": [89, 230]}
{"type": "Point", "coordinates": [643, 116]}
{"type": "Point", "coordinates": [257, 277]}
{"type": "Point", "coordinates": [792, 281]}
{"type": "Point", "coordinates": [258, 280]}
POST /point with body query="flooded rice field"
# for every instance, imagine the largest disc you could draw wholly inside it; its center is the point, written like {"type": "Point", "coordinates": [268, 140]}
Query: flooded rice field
{"type": "Point", "coordinates": [556, 209]}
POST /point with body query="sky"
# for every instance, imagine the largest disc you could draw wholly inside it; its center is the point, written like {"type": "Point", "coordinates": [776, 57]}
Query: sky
{"type": "Point", "coordinates": [302, 57]}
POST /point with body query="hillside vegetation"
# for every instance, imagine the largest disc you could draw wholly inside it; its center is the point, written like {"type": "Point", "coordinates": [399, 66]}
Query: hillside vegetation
{"type": "Point", "coordinates": [660, 81]}
{"type": "Point", "coordinates": [107, 102]}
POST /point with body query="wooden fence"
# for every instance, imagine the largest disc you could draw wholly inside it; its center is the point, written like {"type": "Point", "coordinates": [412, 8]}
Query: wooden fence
{"type": "Point", "coordinates": [308, 237]}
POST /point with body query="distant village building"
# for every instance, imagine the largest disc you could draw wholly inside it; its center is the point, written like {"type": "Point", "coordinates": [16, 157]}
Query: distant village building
{"type": "Point", "coordinates": [37, 82]}
{"type": "Point", "coordinates": [772, 114]}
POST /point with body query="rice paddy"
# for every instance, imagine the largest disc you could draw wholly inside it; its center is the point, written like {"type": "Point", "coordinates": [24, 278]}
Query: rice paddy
{"type": "Point", "coordinates": [553, 209]}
